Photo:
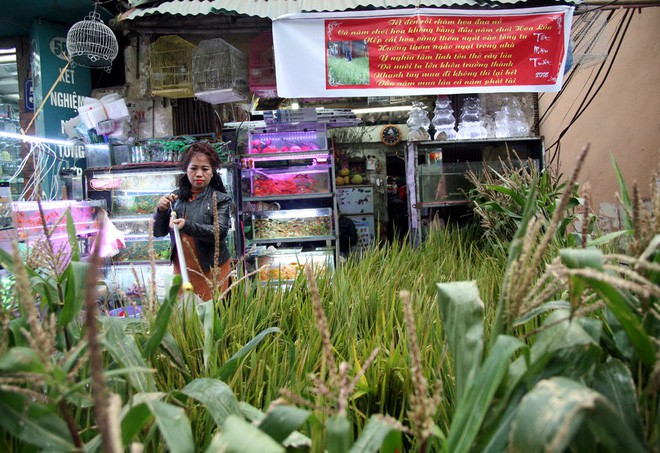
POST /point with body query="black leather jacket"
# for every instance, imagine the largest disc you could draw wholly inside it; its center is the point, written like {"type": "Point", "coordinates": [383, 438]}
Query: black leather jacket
{"type": "Point", "coordinates": [199, 224]}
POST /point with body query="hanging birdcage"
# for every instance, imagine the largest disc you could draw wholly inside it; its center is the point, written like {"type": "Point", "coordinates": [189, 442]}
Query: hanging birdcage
{"type": "Point", "coordinates": [92, 44]}
{"type": "Point", "coordinates": [171, 67]}
{"type": "Point", "coordinates": [220, 72]}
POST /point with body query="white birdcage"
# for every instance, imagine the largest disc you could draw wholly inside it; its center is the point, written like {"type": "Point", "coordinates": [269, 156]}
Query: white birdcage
{"type": "Point", "coordinates": [220, 72]}
{"type": "Point", "coordinates": [92, 44]}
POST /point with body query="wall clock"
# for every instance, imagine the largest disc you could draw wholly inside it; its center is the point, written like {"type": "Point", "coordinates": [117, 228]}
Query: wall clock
{"type": "Point", "coordinates": [390, 135]}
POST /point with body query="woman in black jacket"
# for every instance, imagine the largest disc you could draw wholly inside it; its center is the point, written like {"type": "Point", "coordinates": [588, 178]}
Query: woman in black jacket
{"type": "Point", "coordinates": [200, 191]}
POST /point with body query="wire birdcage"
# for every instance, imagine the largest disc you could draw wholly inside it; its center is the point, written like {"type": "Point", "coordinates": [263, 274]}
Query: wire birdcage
{"type": "Point", "coordinates": [92, 44]}
{"type": "Point", "coordinates": [220, 72]}
{"type": "Point", "coordinates": [171, 67]}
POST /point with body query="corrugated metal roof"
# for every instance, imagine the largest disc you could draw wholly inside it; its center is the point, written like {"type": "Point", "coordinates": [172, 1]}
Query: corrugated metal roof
{"type": "Point", "coordinates": [272, 9]}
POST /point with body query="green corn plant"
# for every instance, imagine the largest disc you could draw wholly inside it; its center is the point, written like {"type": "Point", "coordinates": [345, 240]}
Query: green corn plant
{"type": "Point", "coordinates": [553, 377]}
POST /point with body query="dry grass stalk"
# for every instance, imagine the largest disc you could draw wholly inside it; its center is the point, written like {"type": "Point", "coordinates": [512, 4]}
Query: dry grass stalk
{"type": "Point", "coordinates": [523, 271]}
{"type": "Point", "coordinates": [39, 340]}
{"type": "Point", "coordinates": [100, 391]}
{"type": "Point", "coordinates": [422, 407]}
{"type": "Point", "coordinates": [152, 263]}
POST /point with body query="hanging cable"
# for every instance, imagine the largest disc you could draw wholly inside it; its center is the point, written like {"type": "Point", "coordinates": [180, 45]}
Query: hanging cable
{"type": "Point", "coordinates": [589, 97]}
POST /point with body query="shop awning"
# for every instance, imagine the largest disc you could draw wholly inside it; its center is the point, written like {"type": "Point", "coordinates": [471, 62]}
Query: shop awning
{"type": "Point", "coordinates": [271, 9]}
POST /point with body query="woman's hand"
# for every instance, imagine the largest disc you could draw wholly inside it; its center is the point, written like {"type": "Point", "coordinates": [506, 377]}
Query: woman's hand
{"type": "Point", "coordinates": [166, 202]}
{"type": "Point", "coordinates": [178, 223]}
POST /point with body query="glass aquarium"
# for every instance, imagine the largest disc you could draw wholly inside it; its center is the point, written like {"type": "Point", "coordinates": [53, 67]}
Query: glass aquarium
{"type": "Point", "coordinates": [285, 264]}
{"type": "Point", "coordinates": [283, 138]}
{"type": "Point", "coordinates": [138, 250]}
{"type": "Point", "coordinates": [448, 182]}
{"type": "Point", "coordinates": [296, 180]}
{"type": "Point", "coordinates": [290, 224]}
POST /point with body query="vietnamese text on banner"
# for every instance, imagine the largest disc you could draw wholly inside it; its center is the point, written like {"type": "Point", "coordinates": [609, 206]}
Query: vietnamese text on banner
{"type": "Point", "coordinates": [421, 51]}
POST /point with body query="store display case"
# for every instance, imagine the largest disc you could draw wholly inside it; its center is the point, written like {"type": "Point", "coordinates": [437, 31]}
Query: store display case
{"type": "Point", "coordinates": [132, 195]}
{"type": "Point", "coordinates": [287, 185]}
{"type": "Point", "coordinates": [437, 173]}
{"type": "Point", "coordinates": [287, 138]}
{"type": "Point", "coordinates": [291, 224]}
{"type": "Point", "coordinates": [285, 264]}
{"type": "Point", "coordinates": [295, 180]}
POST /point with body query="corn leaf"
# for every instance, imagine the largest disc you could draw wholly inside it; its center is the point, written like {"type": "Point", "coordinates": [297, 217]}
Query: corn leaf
{"type": "Point", "coordinates": [173, 425]}
{"type": "Point", "coordinates": [162, 318]}
{"type": "Point", "coordinates": [73, 237]}
{"type": "Point", "coordinates": [625, 196]}
{"type": "Point", "coordinates": [33, 423]}
{"type": "Point", "coordinates": [126, 353]}
{"type": "Point", "coordinates": [206, 313]}
{"type": "Point", "coordinates": [295, 440]}
{"type": "Point", "coordinates": [553, 412]}
{"type": "Point", "coordinates": [281, 421]}
{"type": "Point", "coordinates": [471, 410]}
{"type": "Point", "coordinates": [75, 276]}
{"type": "Point", "coordinates": [215, 395]}
{"type": "Point", "coordinates": [462, 314]}
{"type": "Point", "coordinates": [546, 307]}
{"type": "Point", "coordinates": [613, 380]}
{"type": "Point", "coordinates": [339, 434]}
{"type": "Point", "coordinates": [240, 436]}
{"type": "Point", "coordinates": [378, 436]}
{"type": "Point", "coordinates": [615, 300]}
{"type": "Point", "coordinates": [230, 366]}
{"type": "Point", "coordinates": [21, 359]}
{"type": "Point", "coordinates": [133, 418]}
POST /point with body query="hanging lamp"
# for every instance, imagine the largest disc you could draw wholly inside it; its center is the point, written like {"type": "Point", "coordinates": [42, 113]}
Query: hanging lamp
{"type": "Point", "coordinates": [92, 44]}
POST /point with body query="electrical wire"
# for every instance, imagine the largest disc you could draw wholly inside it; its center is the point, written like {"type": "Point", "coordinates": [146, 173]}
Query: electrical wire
{"type": "Point", "coordinates": [590, 96]}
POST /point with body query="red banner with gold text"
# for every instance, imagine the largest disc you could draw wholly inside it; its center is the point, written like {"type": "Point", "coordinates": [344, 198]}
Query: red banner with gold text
{"type": "Point", "coordinates": [424, 51]}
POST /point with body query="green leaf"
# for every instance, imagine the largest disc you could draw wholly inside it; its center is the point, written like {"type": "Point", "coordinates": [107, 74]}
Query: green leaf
{"type": "Point", "coordinates": [239, 436]}
{"type": "Point", "coordinates": [378, 436]}
{"type": "Point", "coordinates": [73, 237]}
{"type": "Point", "coordinates": [625, 196]}
{"type": "Point", "coordinates": [295, 440]}
{"type": "Point", "coordinates": [462, 314]}
{"type": "Point", "coordinates": [562, 342]}
{"type": "Point", "coordinates": [75, 276]}
{"type": "Point", "coordinates": [206, 312]}
{"type": "Point", "coordinates": [471, 410]}
{"type": "Point", "coordinates": [613, 380]}
{"type": "Point", "coordinates": [552, 413]}
{"type": "Point", "coordinates": [33, 423]}
{"type": "Point", "coordinates": [215, 395]}
{"type": "Point", "coordinates": [124, 350]}
{"type": "Point", "coordinates": [162, 318]}
{"type": "Point", "coordinates": [515, 249]}
{"type": "Point", "coordinates": [546, 307]}
{"type": "Point", "coordinates": [230, 366]}
{"type": "Point", "coordinates": [21, 359]}
{"type": "Point", "coordinates": [339, 434]}
{"type": "Point", "coordinates": [131, 418]}
{"type": "Point", "coordinates": [173, 425]}
{"type": "Point", "coordinates": [605, 238]}
{"type": "Point", "coordinates": [619, 305]}
{"type": "Point", "coordinates": [281, 421]}
{"type": "Point", "coordinates": [134, 421]}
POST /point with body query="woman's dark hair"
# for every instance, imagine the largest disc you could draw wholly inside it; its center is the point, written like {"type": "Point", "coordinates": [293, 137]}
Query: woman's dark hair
{"type": "Point", "coordinates": [185, 188]}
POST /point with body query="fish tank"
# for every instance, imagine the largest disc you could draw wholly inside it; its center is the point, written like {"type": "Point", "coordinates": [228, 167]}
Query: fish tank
{"type": "Point", "coordinates": [28, 222]}
{"type": "Point", "coordinates": [287, 138]}
{"type": "Point", "coordinates": [295, 180]}
{"type": "Point", "coordinates": [447, 182]}
{"type": "Point", "coordinates": [285, 264]}
{"type": "Point", "coordinates": [134, 204]}
{"type": "Point", "coordinates": [138, 250]}
{"type": "Point", "coordinates": [291, 224]}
